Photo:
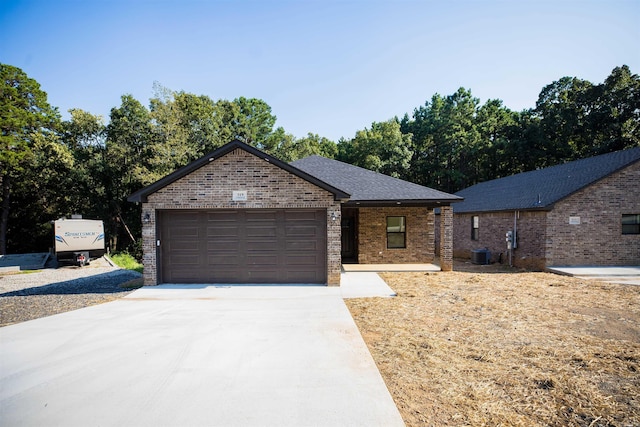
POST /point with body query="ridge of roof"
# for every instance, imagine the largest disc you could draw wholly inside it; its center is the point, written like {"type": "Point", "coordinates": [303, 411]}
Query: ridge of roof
{"type": "Point", "coordinates": [365, 185]}
{"type": "Point", "coordinates": [542, 188]}
{"type": "Point", "coordinates": [142, 194]}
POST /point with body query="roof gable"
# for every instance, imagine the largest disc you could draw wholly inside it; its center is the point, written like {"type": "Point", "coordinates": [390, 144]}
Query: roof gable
{"type": "Point", "coordinates": [541, 189]}
{"type": "Point", "coordinates": [142, 194]}
{"type": "Point", "coordinates": [370, 187]}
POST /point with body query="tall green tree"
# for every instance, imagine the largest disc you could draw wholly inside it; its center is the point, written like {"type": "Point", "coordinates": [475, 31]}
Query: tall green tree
{"type": "Point", "coordinates": [24, 113]}
{"type": "Point", "coordinates": [85, 135]}
{"type": "Point", "coordinates": [496, 126]}
{"type": "Point", "coordinates": [382, 148]}
{"type": "Point", "coordinates": [128, 166]}
{"type": "Point", "coordinates": [580, 119]}
{"type": "Point", "coordinates": [446, 142]}
{"type": "Point", "coordinates": [288, 148]}
{"type": "Point", "coordinates": [45, 191]}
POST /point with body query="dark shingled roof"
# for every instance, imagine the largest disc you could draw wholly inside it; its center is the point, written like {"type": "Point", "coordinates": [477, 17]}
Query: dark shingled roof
{"type": "Point", "coordinates": [371, 188]}
{"type": "Point", "coordinates": [540, 189]}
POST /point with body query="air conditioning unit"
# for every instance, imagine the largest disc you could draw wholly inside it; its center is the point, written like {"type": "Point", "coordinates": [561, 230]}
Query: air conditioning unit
{"type": "Point", "coordinates": [480, 256]}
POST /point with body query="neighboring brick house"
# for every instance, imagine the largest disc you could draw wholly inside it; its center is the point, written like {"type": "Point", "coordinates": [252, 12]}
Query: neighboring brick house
{"type": "Point", "coordinates": [585, 212]}
{"type": "Point", "coordinates": [238, 215]}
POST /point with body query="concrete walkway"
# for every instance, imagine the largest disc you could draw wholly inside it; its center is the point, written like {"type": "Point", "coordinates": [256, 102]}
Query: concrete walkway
{"type": "Point", "coordinates": [628, 275]}
{"type": "Point", "coordinates": [197, 356]}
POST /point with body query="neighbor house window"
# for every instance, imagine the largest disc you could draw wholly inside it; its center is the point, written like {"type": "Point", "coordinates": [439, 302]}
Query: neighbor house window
{"type": "Point", "coordinates": [631, 224]}
{"type": "Point", "coordinates": [475, 228]}
{"type": "Point", "coordinates": [396, 232]}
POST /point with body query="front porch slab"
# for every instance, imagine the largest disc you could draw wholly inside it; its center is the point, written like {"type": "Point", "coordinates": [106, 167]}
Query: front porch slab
{"type": "Point", "coordinates": [389, 267]}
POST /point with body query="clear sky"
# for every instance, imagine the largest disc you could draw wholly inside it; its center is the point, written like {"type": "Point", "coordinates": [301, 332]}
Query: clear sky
{"type": "Point", "coordinates": [324, 66]}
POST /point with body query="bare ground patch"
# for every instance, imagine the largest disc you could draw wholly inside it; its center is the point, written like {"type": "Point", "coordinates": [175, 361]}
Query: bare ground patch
{"type": "Point", "coordinates": [499, 347]}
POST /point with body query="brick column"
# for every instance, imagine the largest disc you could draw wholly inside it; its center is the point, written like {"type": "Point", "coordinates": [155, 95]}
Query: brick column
{"type": "Point", "coordinates": [446, 238]}
{"type": "Point", "coordinates": [334, 258]}
{"type": "Point", "coordinates": [149, 245]}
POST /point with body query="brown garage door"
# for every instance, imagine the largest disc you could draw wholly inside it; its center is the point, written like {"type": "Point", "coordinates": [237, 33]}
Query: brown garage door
{"type": "Point", "coordinates": [243, 246]}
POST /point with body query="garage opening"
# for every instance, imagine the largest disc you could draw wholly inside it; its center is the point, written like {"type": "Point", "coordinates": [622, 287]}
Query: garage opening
{"type": "Point", "coordinates": [242, 246]}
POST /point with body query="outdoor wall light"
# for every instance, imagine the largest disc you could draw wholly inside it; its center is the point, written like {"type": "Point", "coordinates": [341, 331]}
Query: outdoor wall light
{"type": "Point", "coordinates": [334, 216]}
{"type": "Point", "coordinates": [147, 218]}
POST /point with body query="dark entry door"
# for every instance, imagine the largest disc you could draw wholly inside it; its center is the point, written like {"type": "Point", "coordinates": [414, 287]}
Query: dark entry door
{"type": "Point", "coordinates": [349, 235]}
{"type": "Point", "coordinates": [243, 246]}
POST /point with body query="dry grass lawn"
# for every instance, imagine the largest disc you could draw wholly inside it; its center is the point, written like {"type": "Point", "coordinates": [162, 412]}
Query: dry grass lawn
{"type": "Point", "coordinates": [491, 346]}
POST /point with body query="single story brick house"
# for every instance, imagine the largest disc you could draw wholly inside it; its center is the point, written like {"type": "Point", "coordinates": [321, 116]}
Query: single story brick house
{"type": "Point", "coordinates": [238, 215]}
{"type": "Point", "coordinates": [585, 212]}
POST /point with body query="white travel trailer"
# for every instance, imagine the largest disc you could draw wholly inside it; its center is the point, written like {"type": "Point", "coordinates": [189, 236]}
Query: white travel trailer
{"type": "Point", "coordinates": [78, 240]}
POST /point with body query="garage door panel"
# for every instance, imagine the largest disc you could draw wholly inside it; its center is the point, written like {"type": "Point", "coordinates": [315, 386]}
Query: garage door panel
{"type": "Point", "coordinates": [244, 246]}
{"type": "Point", "coordinates": [302, 232]}
{"type": "Point", "coordinates": [220, 232]}
{"type": "Point", "coordinates": [303, 215]}
{"type": "Point", "coordinates": [304, 276]}
{"type": "Point", "coordinates": [183, 246]}
{"type": "Point", "coordinates": [262, 260]}
{"type": "Point", "coordinates": [223, 259]}
{"type": "Point", "coordinates": [302, 245]}
{"type": "Point", "coordinates": [307, 260]}
{"type": "Point", "coordinates": [185, 260]}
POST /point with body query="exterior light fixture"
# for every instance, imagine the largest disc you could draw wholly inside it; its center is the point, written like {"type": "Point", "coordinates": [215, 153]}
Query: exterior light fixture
{"type": "Point", "coordinates": [147, 218]}
{"type": "Point", "coordinates": [333, 216]}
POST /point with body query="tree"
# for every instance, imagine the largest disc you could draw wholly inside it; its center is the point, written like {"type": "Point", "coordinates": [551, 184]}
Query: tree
{"type": "Point", "coordinates": [446, 142]}
{"type": "Point", "coordinates": [24, 113]}
{"type": "Point", "coordinates": [288, 148]}
{"type": "Point", "coordinates": [616, 121]}
{"type": "Point", "coordinates": [496, 126]}
{"type": "Point", "coordinates": [85, 135]}
{"type": "Point", "coordinates": [45, 191]}
{"type": "Point", "coordinates": [128, 166]}
{"type": "Point", "coordinates": [382, 148]}
{"type": "Point", "coordinates": [579, 119]}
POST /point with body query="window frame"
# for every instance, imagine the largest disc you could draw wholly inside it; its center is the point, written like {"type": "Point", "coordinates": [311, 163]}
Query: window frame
{"type": "Point", "coordinates": [633, 227]}
{"type": "Point", "coordinates": [475, 227]}
{"type": "Point", "coordinates": [401, 232]}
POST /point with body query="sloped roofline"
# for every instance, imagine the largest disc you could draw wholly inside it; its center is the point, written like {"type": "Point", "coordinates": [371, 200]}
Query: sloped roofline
{"type": "Point", "coordinates": [142, 194]}
{"type": "Point", "coordinates": [373, 189]}
{"type": "Point", "coordinates": [548, 205]}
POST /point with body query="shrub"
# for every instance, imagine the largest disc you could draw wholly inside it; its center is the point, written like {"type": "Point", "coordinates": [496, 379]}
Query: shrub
{"type": "Point", "coordinates": [127, 261]}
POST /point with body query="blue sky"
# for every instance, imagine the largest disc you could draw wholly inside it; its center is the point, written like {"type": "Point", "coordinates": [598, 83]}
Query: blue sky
{"type": "Point", "coordinates": [324, 66]}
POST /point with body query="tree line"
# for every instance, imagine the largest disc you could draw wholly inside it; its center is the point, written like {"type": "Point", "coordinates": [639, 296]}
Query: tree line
{"type": "Point", "coordinates": [50, 167]}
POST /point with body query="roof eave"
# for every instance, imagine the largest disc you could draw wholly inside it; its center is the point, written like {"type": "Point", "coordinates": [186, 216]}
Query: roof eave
{"type": "Point", "coordinates": [429, 203]}
{"type": "Point", "coordinates": [510, 209]}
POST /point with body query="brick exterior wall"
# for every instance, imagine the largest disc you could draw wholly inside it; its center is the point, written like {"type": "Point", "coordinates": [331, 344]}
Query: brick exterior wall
{"type": "Point", "coordinates": [267, 186]}
{"type": "Point", "coordinates": [372, 236]}
{"type": "Point", "coordinates": [547, 238]}
{"type": "Point", "coordinates": [531, 229]}
{"type": "Point", "coordinates": [446, 241]}
{"type": "Point", "coordinates": [598, 239]}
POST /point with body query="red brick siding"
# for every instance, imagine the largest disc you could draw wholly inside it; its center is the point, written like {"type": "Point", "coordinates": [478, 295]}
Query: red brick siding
{"type": "Point", "coordinates": [598, 239]}
{"type": "Point", "coordinates": [267, 185]}
{"type": "Point", "coordinates": [547, 238]}
{"type": "Point", "coordinates": [493, 227]}
{"type": "Point", "coordinates": [372, 236]}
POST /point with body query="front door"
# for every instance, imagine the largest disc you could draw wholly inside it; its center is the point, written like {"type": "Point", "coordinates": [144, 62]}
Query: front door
{"type": "Point", "coordinates": [349, 236]}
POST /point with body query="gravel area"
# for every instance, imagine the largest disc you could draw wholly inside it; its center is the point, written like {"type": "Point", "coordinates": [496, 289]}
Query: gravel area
{"type": "Point", "coordinates": [31, 295]}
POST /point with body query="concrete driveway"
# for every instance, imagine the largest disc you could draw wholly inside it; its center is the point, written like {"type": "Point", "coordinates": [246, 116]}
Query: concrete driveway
{"type": "Point", "coordinates": [623, 275]}
{"type": "Point", "coordinates": [195, 356]}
